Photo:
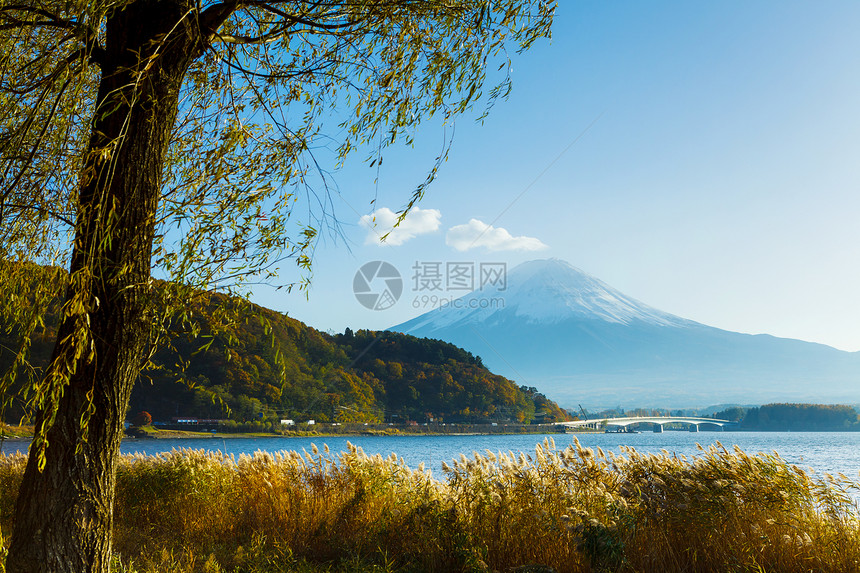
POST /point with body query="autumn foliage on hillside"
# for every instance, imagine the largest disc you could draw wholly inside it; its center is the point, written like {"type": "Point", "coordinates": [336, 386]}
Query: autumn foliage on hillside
{"type": "Point", "coordinates": [280, 368]}
{"type": "Point", "coordinates": [256, 365]}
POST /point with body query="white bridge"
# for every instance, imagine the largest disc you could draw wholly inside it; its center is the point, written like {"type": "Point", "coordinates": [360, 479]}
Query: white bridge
{"type": "Point", "coordinates": [622, 424]}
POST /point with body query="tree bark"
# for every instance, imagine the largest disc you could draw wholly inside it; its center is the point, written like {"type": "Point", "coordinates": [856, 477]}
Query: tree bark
{"type": "Point", "coordinates": [64, 514]}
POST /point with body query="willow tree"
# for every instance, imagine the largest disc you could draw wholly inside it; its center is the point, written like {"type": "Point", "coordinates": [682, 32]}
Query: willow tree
{"type": "Point", "coordinates": [175, 137]}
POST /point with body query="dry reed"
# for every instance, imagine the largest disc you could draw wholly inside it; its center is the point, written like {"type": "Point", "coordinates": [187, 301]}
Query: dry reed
{"type": "Point", "coordinates": [569, 510]}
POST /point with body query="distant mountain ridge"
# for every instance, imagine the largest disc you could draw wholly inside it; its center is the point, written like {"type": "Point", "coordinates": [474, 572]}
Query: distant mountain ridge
{"type": "Point", "coordinates": [581, 341]}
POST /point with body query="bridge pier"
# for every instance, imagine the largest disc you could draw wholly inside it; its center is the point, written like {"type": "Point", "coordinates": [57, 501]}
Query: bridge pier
{"type": "Point", "coordinates": [658, 428]}
{"type": "Point", "coordinates": [694, 428]}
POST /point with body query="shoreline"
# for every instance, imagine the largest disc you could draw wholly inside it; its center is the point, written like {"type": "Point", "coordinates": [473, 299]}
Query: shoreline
{"type": "Point", "coordinates": [190, 435]}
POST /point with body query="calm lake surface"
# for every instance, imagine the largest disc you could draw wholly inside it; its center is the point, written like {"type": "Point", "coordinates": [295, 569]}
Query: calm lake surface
{"type": "Point", "coordinates": [830, 452]}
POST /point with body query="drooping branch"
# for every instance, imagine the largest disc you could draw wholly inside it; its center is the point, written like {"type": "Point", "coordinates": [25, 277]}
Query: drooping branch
{"type": "Point", "coordinates": [293, 19]}
{"type": "Point", "coordinates": [333, 22]}
{"type": "Point", "coordinates": [213, 17]}
{"type": "Point", "coordinates": [84, 33]}
{"type": "Point", "coordinates": [22, 207]}
{"type": "Point", "coordinates": [28, 160]}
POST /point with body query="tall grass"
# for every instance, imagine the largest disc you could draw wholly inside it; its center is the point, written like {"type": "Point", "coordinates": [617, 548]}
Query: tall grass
{"type": "Point", "coordinates": [569, 510]}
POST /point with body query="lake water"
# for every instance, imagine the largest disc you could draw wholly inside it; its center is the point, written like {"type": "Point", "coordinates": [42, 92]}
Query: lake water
{"type": "Point", "coordinates": [830, 452]}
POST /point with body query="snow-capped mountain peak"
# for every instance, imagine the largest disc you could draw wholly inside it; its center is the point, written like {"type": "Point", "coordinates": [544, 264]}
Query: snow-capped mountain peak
{"type": "Point", "coordinates": [581, 341]}
{"type": "Point", "coordinates": [552, 290]}
{"type": "Point", "coordinates": [544, 291]}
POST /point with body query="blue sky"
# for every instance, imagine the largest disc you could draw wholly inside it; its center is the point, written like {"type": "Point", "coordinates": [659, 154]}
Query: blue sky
{"type": "Point", "coordinates": [701, 157]}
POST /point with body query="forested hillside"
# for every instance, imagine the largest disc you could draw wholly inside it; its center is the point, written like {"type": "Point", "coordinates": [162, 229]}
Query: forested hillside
{"type": "Point", "coordinates": [268, 366]}
{"type": "Point", "coordinates": [801, 417]}
{"type": "Point", "coordinates": [794, 417]}
{"type": "Point", "coordinates": [352, 377]}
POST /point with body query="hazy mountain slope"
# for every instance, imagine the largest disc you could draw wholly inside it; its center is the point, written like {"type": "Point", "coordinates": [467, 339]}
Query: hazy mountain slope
{"type": "Point", "coordinates": [579, 340]}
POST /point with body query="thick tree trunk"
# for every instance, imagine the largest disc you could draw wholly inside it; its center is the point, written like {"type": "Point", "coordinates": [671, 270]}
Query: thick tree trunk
{"type": "Point", "coordinates": [64, 514]}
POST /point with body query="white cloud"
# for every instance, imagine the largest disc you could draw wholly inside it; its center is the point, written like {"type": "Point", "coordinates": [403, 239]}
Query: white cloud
{"type": "Point", "coordinates": [476, 233]}
{"type": "Point", "coordinates": [417, 222]}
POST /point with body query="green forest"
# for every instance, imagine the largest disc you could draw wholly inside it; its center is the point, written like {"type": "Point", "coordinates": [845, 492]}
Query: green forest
{"type": "Point", "coordinates": [794, 417]}
{"type": "Point", "coordinates": [267, 366]}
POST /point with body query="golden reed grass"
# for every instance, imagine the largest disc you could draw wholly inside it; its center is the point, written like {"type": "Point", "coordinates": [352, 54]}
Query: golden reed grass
{"type": "Point", "coordinates": [564, 510]}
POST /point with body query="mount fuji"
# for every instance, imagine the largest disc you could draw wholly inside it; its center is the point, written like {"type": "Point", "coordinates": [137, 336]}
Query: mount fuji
{"type": "Point", "coordinates": [579, 340]}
